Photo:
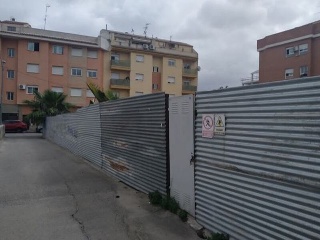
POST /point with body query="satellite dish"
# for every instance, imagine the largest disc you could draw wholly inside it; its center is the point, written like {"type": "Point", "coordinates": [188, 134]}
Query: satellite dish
{"type": "Point", "coordinates": [198, 68]}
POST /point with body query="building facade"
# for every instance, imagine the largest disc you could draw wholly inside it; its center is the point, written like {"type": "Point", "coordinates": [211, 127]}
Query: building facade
{"type": "Point", "coordinates": [290, 54]}
{"type": "Point", "coordinates": [36, 60]}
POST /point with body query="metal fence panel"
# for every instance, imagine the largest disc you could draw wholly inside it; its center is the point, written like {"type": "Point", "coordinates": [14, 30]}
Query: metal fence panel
{"type": "Point", "coordinates": [79, 132]}
{"type": "Point", "coordinates": [262, 179]}
{"type": "Point", "coordinates": [134, 141]}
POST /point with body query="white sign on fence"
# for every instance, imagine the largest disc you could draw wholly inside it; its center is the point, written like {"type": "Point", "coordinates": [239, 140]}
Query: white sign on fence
{"type": "Point", "coordinates": [219, 124]}
{"type": "Point", "coordinates": [207, 125]}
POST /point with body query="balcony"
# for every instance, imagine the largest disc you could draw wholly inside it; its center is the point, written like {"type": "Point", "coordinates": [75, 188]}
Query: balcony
{"type": "Point", "coordinates": [187, 89]}
{"type": "Point", "coordinates": [120, 64]}
{"type": "Point", "coordinates": [189, 72]}
{"type": "Point", "coordinates": [120, 83]}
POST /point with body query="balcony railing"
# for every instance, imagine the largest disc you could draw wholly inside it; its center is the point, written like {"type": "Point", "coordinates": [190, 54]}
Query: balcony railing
{"type": "Point", "coordinates": [120, 82]}
{"type": "Point", "coordinates": [192, 72]}
{"type": "Point", "coordinates": [189, 88]}
{"type": "Point", "coordinates": [120, 63]}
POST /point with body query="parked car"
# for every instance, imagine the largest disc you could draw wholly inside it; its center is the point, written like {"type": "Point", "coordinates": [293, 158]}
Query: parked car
{"type": "Point", "coordinates": [39, 128]}
{"type": "Point", "coordinates": [15, 126]}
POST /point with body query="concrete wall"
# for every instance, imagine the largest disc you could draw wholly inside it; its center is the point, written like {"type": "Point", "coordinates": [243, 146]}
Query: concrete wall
{"type": "Point", "coordinates": [2, 131]}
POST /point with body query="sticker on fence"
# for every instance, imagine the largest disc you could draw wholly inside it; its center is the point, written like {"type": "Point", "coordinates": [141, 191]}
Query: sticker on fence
{"type": "Point", "coordinates": [219, 124]}
{"type": "Point", "coordinates": [207, 125]}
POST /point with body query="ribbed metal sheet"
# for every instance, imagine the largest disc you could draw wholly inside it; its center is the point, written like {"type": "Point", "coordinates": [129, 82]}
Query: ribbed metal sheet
{"type": "Point", "coordinates": [134, 141]}
{"type": "Point", "coordinates": [80, 132]}
{"type": "Point", "coordinates": [262, 179]}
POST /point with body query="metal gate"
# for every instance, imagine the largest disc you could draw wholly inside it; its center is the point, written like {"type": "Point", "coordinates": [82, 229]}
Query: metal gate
{"type": "Point", "coordinates": [181, 139]}
{"type": "Point", "coordinates": [262, 179]}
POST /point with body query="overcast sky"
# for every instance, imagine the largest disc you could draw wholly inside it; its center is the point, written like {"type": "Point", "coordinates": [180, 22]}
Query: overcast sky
{"type": "Point", "coordinates": [223, 32]}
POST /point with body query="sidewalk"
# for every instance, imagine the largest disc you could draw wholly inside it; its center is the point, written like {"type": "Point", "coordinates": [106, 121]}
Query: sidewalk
{"type": "Point", "coordinates": [48, 193]}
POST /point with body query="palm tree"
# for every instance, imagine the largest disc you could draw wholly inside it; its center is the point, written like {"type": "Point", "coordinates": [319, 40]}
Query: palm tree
{"type": "Point", "coordinates": [47, 104]}
{"type": "Point", "coordinates": [100, 95]}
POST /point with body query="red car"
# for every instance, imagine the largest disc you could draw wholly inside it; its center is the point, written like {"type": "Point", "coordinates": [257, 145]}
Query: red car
{"type": "Point", "coordinates": [15, 126]}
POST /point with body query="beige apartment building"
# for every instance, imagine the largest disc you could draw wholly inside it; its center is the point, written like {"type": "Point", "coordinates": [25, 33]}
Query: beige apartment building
{"type": "Point", "coordinates": [36, 60]}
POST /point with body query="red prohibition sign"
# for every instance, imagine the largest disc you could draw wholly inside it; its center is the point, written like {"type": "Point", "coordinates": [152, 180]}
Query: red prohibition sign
{"type": "Point", "coordinates": [207, 122]}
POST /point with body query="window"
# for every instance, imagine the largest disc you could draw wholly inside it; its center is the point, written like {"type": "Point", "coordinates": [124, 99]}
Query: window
{"type": "Point", "coordinates": [76, 52]}
{"type": "Point", "coordinates": [171, 80]}
{"type": "Point", "coordinates": [155, 86]}
{"type": "Point", "coordinates": [75, 92]}
{"type": "Point", "coordinates": [171, 95]}
{"type": "Point", "coordinates": [155, 69]}
{"type": "Point", "coordinates": [57, 49]}
{"type": "Point", "coordinates": [115, 76]}
{"type": "Point", "coordinates": [11, 29]}
{"type": "Point", "coordinates": [139, 76]}
{"type": "Point", "coordinates": [32, 89]}
{"type": "Point", "coordinates": [76, 71]}
{"type": "Point", "coordinates": [89, 93]}
{"type": "Point", "coordinates": [57, 89]}
{"type": "Point", "coordinates": [186, 83]}
{"type": "Point", "coordinates": [171, 62]}
{"type": "Point", "coordinates": [92, 73]}
{"type": "Point", "coordinates": [138, 93]}
{"type": "Point", "coordinates": [186, 66]}
{"type": "Point", "coordinates": [32, 68]}
{"type": "Point", "coordinates": [11, 52]}
{"type": "Point", "coordinates": [288, 73]}
{"type": "Point", "coordinates": [304, 71]}
{"type": "Point", "coordinates": [303, 48]}
{"type": "Point", "coordinates": [10, 96]}
{"type": "Point", "coordinates": [115, 57]}
{"type": "Point", "coordinates": [33, 46]}
{"type": "Point", "coordinates": [290, 51]}
{"type": "Point", "coordinates": [139, 58]}
{"type": "Point", "coordinates": [10, 74]}
{"type": "Point", "coordinates": [92, 54]}
{"type": "Point", "coordinates": [57, 70]}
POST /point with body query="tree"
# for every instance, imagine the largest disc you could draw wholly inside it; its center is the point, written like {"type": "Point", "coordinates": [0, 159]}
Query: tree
{"type": "Point", "coordinates": [100, 95]}
{"type": "Point", "coordinates": [47, 104]}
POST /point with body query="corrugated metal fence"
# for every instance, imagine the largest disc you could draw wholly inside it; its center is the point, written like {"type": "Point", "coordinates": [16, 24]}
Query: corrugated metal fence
{"type": "Point", "coordinates": [129, 142]}
{"type": "Point", "coordinates": [80, 132]}
{"type": "Point", "coordinates": [262, 179]}
{"type": "Point", "coordinates": [134, 141]}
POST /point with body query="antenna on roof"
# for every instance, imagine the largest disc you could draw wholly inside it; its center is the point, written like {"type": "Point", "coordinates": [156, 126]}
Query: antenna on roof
{"type": "Point", "coordinates": [146, 29]}
{"type": "Point", "coordinates": [170, 38]}
{"type": "Point", "coordinates": [45, 16]}
{"type": "Point", "coordinates": [132, 31]}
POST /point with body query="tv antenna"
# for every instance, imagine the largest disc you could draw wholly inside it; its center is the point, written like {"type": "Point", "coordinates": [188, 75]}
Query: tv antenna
{"type": "Point", "coordinates": [146, 29]}
{"type": "Point", "coordinates": [45, 16]}
{"type": "Point", "coordinates": [132, 31]}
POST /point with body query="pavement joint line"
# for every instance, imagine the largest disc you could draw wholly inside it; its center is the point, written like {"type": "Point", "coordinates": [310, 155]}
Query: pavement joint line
{"type": "Point", "coordinates": [75, 201]}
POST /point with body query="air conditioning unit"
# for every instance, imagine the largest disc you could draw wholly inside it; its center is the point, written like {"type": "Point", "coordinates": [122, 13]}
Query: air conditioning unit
{"type": "Point", "coordinates": [151, 47]}
{"type": "Point", "coordinates": [145, 46]}
{"type": "Point", "coordinates": [22, 87]}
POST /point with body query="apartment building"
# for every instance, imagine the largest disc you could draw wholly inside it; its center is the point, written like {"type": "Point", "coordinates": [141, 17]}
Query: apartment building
{"type": "Point", "coordinates": [142, 65]}
{"type": "Point", "coordinates": [129, 65]}
{"type": "Point", "coordinates": [290, 54]}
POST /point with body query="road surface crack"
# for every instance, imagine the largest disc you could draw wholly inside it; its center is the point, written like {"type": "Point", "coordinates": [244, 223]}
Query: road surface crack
{"type": "Point", "coordinates": [76, 204]}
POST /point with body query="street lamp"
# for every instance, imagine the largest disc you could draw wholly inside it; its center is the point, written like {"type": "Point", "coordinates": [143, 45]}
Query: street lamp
{"type": "Point", "coordinates": [3, 62]}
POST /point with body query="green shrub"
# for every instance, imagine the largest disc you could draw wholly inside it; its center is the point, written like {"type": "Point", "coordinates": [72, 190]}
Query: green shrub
{"type": "Point", "coordinates": [173, 205]}
{"type": "Point", "coordinates": [165, 203]}
{"type": "Point", "coordinates": [155, 197]}
{"type": "Point", "coordinates": [183, 215]}
{"type": "Point", "coordinates": [218, 236]}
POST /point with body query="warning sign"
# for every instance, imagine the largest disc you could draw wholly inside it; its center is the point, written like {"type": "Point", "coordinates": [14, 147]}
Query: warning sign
{"type": "Point", "coordinates": [207, 125]}
{"type": "Point", "coordinates": [219, 124]}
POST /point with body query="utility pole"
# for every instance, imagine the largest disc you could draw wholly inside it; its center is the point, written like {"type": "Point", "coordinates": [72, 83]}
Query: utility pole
{"type": "Point", "coordinates": [3, 62]}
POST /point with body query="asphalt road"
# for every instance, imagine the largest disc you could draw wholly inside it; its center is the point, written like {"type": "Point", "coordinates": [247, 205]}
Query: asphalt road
{"type": "Point", "coordinates": [48, 193]}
